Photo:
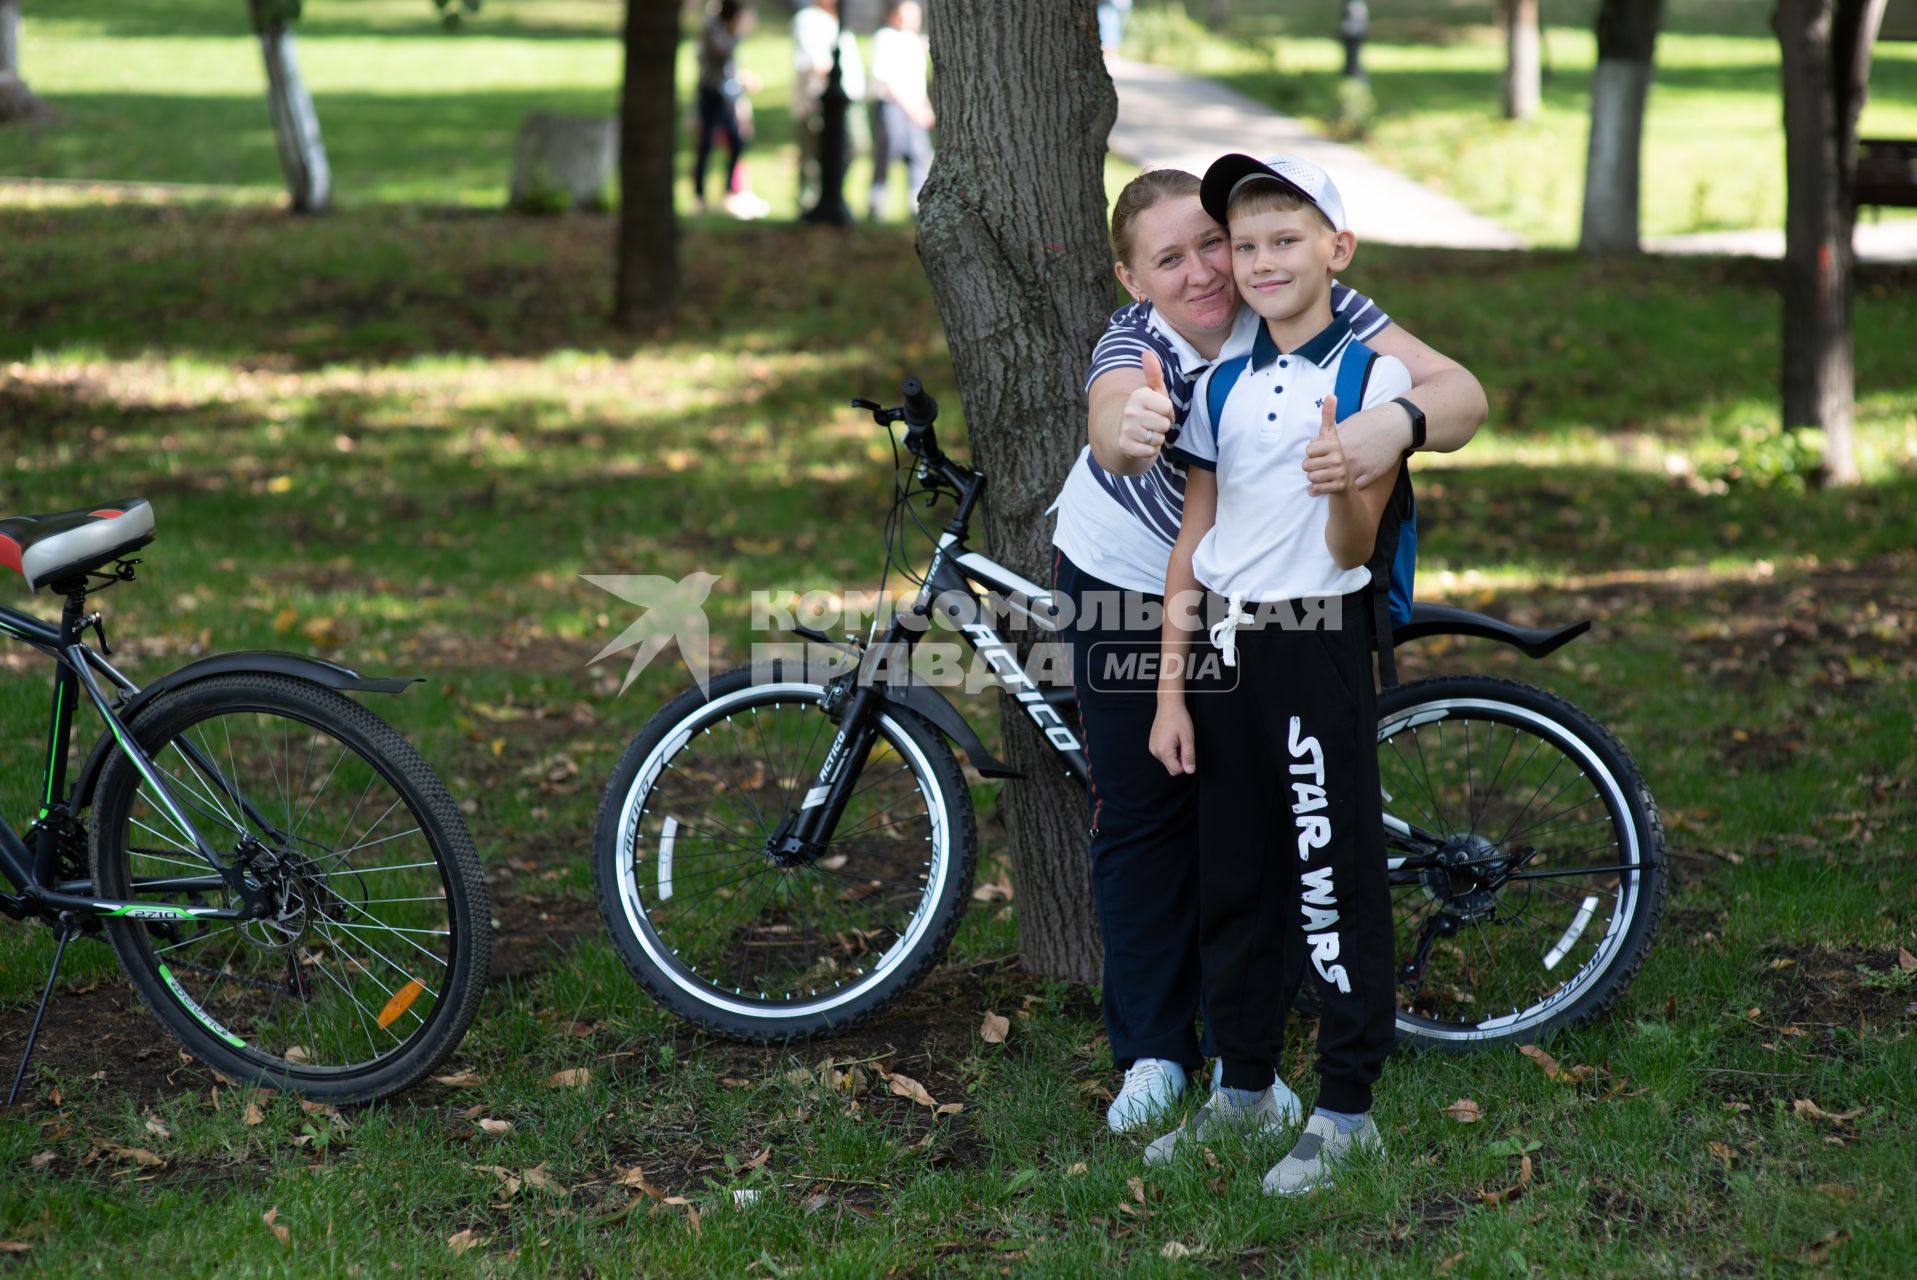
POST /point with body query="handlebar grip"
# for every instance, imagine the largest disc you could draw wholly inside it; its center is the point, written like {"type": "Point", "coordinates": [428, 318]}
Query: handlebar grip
{"type": "Point", "coordinates": [920, 408]}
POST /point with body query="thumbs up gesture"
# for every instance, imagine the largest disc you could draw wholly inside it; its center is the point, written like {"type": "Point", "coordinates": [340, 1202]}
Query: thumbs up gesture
{"type": "Point", "coordinates": [1325, 456]}
{"type": "Point", "coordinates": [1148, 414]}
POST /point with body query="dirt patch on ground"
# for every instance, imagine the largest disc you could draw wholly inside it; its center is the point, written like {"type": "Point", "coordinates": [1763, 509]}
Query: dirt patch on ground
{"type": "Point", "coordinates": [103, 1035]}
{"type": "Point", "coordinates": [1825, 986]}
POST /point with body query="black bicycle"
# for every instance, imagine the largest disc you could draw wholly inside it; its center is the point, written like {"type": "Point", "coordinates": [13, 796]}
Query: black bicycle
{"type": "Point", "coordinates": [789, 851]}
{"type": "Point", "coordinates": [289, 887]}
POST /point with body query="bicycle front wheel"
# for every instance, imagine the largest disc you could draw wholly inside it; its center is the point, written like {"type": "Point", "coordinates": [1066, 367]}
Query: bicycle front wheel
{"type": "Point", "coordinates": [1526, 859]}
{"type": "Point", "coordinates": [371, 965]}
{"type": "Point", "coordinates": [731, 937]}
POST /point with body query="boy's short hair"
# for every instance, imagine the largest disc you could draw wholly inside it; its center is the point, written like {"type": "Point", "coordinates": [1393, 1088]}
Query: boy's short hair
{"type": "Point", "coordinates": [1253, 197]}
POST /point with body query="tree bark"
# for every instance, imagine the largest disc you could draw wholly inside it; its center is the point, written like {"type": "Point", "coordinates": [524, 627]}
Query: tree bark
{"type": "Point", "coordinates": [296, 129]}
{"type": "Point", "coordinates": [17, 102]}
{"type": "Point", "coordinates": [1012, 235]}
{"type": "Point", "coordinates": [1826, 65]}
{"type": "Point", "coordinates": [647, 275]}
{"type": "Point", "coordinates": [1627, 39]}
{"type": "Point", "coordinates": [1522, 75]}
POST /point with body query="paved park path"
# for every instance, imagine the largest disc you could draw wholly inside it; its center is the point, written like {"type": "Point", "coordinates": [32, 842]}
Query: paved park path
{"type": "Point", "coordinates": [1169, 119]}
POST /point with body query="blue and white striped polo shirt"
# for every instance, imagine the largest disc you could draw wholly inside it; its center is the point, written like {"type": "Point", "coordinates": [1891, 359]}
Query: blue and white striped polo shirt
{"type": "Point", "coordinates": [1268, 542]}
{"type": "Point", "coordinates": [1121, 528]}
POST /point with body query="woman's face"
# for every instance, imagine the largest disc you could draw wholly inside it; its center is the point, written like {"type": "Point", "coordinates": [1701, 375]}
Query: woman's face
{"type": "Point", "coordinates": [1181, 264]}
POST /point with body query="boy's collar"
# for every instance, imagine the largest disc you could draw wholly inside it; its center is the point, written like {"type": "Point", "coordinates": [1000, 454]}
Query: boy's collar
{"type": "Point", "coordinates": [1321, 348]}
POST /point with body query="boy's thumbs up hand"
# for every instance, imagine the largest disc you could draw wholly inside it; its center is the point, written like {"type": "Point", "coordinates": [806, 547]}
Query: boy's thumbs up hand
{"type": "Point", "coordinates": [1325, 456]}
{"type": "Point", "coordinates": [1148, 413]}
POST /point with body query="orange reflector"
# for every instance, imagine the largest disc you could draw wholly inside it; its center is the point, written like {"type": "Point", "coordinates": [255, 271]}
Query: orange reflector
{"type": "Point", "coordinates": [402, 1001]}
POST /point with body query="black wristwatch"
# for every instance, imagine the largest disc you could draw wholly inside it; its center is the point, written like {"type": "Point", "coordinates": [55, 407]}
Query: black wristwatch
{"type": "Point", "coordinates": [1417, 423]}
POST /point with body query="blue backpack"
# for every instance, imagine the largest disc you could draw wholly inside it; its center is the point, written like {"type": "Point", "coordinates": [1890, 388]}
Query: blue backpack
{"type": "Point", "coordinates": [1394, 558]}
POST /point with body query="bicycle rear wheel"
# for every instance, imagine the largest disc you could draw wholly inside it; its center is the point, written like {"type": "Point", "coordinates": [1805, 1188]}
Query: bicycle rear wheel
{"type": "Point", "coordinates": [730, 937]}
{"type": "Point", "coordinates": [1527, 863]}
{"type": "Point", "coordinates": [372, 965]}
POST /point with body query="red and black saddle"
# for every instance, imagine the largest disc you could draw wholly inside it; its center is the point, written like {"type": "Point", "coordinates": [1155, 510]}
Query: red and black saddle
{"type": "Point", "coordinates": [63, 546]}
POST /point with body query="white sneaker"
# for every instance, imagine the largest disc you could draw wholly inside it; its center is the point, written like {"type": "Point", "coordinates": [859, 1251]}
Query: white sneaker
{"type": "Point", "coordinates": [1287, 1101]}
{"type": "Point", "coordinates": [1275, 1110]}
{"type": "Point", "coordinates": [1152, 1087]}
{"type": "Point", "coordinates": [1320, 1150]}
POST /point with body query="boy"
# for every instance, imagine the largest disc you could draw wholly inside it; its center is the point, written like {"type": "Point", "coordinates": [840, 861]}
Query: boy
{"type": "Point", "coordinates": [1291, 844]}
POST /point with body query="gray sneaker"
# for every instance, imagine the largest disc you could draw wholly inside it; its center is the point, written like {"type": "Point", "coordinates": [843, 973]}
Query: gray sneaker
{"type": "Point", "coordinates": [1320, 1149]}
{"type": "Point", "coordinates": [1276, 1108]}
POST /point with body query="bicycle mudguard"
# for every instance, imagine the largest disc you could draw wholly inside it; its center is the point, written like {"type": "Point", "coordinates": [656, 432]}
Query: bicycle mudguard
{"type": "Point", "coordinates": [937, 710]}
{"type": "Point", "coordinates": [1449, 620]}
{"type": "Point", "coordinates": [297, 665]}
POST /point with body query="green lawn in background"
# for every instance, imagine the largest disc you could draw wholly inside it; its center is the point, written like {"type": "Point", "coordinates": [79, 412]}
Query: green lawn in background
{"type": "Point", "coordinates": [396, 436]}
{"type": "Point", "coordinates": [419, 448]}
{"type": "Point", "coordinates": [1713, 137]}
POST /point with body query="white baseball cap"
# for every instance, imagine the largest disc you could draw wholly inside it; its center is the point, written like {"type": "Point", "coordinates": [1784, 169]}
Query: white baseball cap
{"type": "Point", "coordinates": [1228, 173]}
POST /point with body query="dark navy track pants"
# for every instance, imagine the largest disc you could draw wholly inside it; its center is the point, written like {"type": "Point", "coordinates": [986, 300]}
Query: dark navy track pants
{"type": "Point", "coordinates": [1144, 825]}
{"type": "Point", "coordinates": [1291, 846]}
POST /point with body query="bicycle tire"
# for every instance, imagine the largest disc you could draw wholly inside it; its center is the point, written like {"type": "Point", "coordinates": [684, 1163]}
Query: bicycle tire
{"type": "Point", "coordinates": [1494, 978]}
{"type": "Point", "coordinates": [370, 971]}
{"type": "Point", "coordinates": [691, 804]}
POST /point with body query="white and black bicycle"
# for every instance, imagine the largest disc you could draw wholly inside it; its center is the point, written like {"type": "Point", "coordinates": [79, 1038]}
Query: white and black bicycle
{"type": "Point", "coordinates": [789, 851]}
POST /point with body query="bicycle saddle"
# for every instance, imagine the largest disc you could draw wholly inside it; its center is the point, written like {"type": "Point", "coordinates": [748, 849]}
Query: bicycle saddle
{"type": "Point", "coordinates": [63, 545]}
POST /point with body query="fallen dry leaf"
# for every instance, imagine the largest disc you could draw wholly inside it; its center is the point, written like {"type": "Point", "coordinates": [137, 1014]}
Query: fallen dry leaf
{"type": "Point", "coordinates": [1721, 1153]}
{"type": "Point", "coordinates": [460, 1079]}
{"type": "Point", "coordinates": [536, 1177]}
{"type": "Point", "coordinates": [1077, 1169]}
{"type": "Point", "coordinates": [907, 1087]}
{"type": "Point", "coordinates": [570, 1078]}
{"type": "Point", "coordinates": [1174, 1250]}
{"type": "Point", "coordinates": [1819, 1253]}
{"type": "Point", "coordinates": [460, 1241]}
{"type": "Point", "coordinates": [157, 1129]}
{"type": "Point", "coordinates": [635, 1177]}
{"type": "Point", "coordinates": [272, 1220]}
{"type": "Point", "coordinates": [1838, 1191]}
{"type": "Point", "coordinates": [994, 1029]}
{"type": "Point", "coordinates": [41, 1161]}
{"type": "Point", "coordinates": [1506, 1195]}
{"type": "Point", "coordinates": [252, 1115]}
{"type": "Point", "coordinates": [1906, 961]}
{"type": "Point", "coordinates": [949, 1108]}
{"type": "Point", "coordinates": [1811, 1111]}
{"type": "Point", "coordinates": [14, 1246]}
{"type": "Point", "coordinates": [496, 1126]}
{"type": "Point", "coordinates": [765, 1153]}
{"type": "Point", "coordinates": [138, 1155]}
{"type": "Point", "coordinates": [1464, 1111]}
{"type": "Point", "coordinates": [1543, 1059]}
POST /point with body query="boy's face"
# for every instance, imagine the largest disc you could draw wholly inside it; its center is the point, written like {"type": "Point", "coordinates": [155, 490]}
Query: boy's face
{"type": "Point", "coordinates": [1283, 260]}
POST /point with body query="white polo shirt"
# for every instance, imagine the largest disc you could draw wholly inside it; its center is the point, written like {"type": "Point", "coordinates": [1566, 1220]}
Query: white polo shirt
{"type": "Point", "coordinates": [1121, 528]}
{"type": "Point", "coordinates": [1268, 542]}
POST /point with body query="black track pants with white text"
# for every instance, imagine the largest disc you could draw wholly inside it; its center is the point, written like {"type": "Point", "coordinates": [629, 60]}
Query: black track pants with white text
{"type": "Point", "coordinates": [1292, 882]}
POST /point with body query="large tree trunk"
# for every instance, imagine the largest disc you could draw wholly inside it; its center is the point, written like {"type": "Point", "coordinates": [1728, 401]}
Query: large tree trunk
{"type": "Point", "coordinates": [1627, 39]}
{"type": "Point", "coordinates": [648, 253]}
{"type": "Point", "coordinates": [1522, 75]}
{"type": "Point", "coordinates": [16, 100]}
{"type": "Point", "coordinates": [296, 130]}
{"type": "Point", "coordinates": [1826, 55]}
{"type": "Point", "coordinates": [1011, 231]}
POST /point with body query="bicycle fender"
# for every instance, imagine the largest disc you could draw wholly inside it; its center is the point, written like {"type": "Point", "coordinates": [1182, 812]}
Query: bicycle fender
{"type": "Point", "coordinates": [937, 710]}
{"type": "Point", "coordinates": [1449, 620]}
{"type": "Point", "coordinates": [297, 665]}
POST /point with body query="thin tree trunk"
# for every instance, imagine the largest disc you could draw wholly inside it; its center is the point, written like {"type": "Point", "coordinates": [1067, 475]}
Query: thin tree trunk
{"type": "Point", "coordinates": [1011, 232]}
{"type": "Point", "coordinates": [1627, 38]}
{"type": "Point", "coordinates": [1522, 77]}
{"type": "Point", "coordinates": [1826, 62]}
{"type": "Point", "coordinates": [296, 129]}
{"type": "Point", "coordinates": [17, 102]}
{"type": "Point", "coordinates": [647, 284]}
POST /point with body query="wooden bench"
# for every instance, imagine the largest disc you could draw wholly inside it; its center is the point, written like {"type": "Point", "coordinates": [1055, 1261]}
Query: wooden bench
{"type": "Point", "coordinates": [1886, 171]}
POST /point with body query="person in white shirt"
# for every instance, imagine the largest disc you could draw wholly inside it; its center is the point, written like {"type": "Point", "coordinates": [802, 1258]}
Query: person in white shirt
{"type": "Point", "coordinates": [1277, 715]}
{"type": "Point", "coordinates": [815, 33]}
{"type": "Point", "coordinates": [901, 110]}
{"type": "Point", "coordinates": [1118, 516]}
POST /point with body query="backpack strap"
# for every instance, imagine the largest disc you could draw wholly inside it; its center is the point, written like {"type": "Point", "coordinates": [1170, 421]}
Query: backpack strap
{"type": "Point", "coordinates": [1354, 375]}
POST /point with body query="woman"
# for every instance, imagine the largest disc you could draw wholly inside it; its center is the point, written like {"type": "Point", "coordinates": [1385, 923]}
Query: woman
{"type": "Point", "coordinates": [1118, 515]}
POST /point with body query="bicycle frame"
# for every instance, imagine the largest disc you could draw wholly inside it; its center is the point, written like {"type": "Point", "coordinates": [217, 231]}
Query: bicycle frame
{"type": "Point", "coordinates": [32, 872]}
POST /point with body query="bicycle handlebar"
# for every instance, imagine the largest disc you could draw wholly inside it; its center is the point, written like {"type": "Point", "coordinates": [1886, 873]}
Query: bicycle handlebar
{"type": "Point", "coordinates": [920, 409]}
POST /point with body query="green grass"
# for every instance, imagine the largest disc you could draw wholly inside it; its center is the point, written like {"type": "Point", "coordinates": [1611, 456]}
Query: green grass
{"type": "Point", "coordinates": [1713, 154]}
{"type": "Point", "coordinates": [432, 433]}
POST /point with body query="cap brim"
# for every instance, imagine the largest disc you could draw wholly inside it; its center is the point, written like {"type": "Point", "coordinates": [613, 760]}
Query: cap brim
{"type": "Point", "coordinates": [1226, 172]}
